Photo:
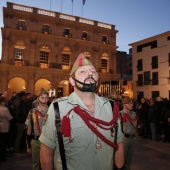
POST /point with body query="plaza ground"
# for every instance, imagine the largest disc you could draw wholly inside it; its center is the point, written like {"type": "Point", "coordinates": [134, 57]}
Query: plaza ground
{"type": "Point", "coordinates": [148, 156]}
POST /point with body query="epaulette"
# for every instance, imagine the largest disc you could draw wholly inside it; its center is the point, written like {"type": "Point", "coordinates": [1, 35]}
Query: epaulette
{"type": "Point", "coordinates": [32, 110]}
{"type": "Point", "coordinates": [60, 99]}
{"type": "Point", "coordinates": [108, 99]}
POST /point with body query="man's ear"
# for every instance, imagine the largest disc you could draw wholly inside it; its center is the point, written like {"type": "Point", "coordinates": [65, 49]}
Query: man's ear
{"type": "Point", "coordinates": [72, 82]}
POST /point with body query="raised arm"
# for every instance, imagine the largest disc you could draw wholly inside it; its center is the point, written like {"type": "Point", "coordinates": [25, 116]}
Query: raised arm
{"type": "Point", "coordinates": [46, 157]}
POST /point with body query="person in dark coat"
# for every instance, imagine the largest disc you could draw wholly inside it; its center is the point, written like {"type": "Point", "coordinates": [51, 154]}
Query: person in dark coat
{"type": "Point", "coordinates": [143, 116]}
{"type": "Point", "coordinates": [21, 115]}
{"type": "Point", "coordinates": [166, 121]}
{"type": "Point", "coordinates": [152, 118]}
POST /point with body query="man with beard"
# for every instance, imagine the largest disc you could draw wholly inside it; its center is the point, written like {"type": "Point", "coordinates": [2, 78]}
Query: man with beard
{"type": "Point", "coordinates": [35, 120]}
{"type": "Point", "coordinates": [87, 138]}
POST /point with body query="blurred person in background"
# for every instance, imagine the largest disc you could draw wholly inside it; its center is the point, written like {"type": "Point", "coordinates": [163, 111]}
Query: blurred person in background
{"type": "Point", "coordinates": [166, 121]}
{"type": "Point", "coordinates": [35, 120]}
{"type": "Point", "coordinates": [5, 118]}
{"type": "Point", "coordinates": [160, 103]}
{"type": "Point", "coordinates": [129, 120]}
{"type": "Point", "coordinates": [152, 119]}
{"type": "Point", "coordinates": [143, 117]}
{"type": "Point", "coordinates": [21, 115]}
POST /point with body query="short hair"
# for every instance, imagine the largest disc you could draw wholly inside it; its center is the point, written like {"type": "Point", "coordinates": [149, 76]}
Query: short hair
{"type": "Point", "coordinates": [21, 94]}
{"type": "Point", "coordinates": [28, 94]}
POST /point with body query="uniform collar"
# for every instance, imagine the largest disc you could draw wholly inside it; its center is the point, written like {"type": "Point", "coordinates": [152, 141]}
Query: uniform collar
{"type": "Point", "coordinates": [40, 109]}
{"type": "Point", "coordinates": [99, 102]}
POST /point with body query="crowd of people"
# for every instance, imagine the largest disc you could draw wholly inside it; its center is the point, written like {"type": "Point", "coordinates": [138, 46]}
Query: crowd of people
{"type": "Point", "coordinates": [14, 112]}
{"type": "Point", "coordinates": [154, 119]}
{"type": "Point", "coordinates": [82, 130]}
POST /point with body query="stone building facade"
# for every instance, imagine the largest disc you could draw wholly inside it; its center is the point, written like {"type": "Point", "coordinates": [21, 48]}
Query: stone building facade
{"type": "Point", "coordinates": [39, 48]}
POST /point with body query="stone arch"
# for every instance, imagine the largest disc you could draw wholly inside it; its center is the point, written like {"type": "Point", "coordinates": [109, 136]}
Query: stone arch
{"type": "Point", "coordinates": [19, 43]}
{"type": "Point", "coordinates": [44, 83]}
{"type": "Point", "coordinates": [16, 84]}
{"type": "Point", "coordinates": [66, 48]}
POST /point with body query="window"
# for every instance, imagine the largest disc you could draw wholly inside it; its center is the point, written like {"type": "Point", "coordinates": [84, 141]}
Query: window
{"type": "Point", "coordinates": [44, 55]}
{"type": "Point", "coordinates": [155, 78]}
{"type": "Point", "coordinates": [19, 55]}
{"type": "Point", "coordinates": [169, 59]}
{"type": "Point", "coordinates": [67, 32]}
{"type": "Point", "coordinates": [155, 94]}
{"type": "Point", "coordinates": [147, 78]}
{"type": "Point", "coordinates": [140, 65]}
{"type": "Point", "coordinates": [154, 62]}
{"type": "Point", "coordinates": [104, 39]}
{"type": "Point", "coordinates": [168, 38]}
{"type": "Point", "coordinates": [84, 36]}
{"type": "Point", "coordinates": [140, 80]}
{"type": "Point", "coordinates": [104, 65]}
{"type": "Point", "coordinates": [66, 61]}
{"type": "Point", "coordinates": [105, 62]}
{"type": "Point", "coordinates": [152, 44]}
{"type": "Point", "coordinates": [46, 29]}
{"type": "Point", "coordinates": [21, 25]}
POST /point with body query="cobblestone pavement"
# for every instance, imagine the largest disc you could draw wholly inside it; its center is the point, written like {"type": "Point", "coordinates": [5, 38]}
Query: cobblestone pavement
{"type": "Point", "coordinates": [148, 156]}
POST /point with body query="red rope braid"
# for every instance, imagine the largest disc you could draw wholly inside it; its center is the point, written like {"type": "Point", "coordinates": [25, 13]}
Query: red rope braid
{"type": "Point", "coordinates": [130, 120]}
{"type": "Point", "coordinates": [83, 114]}
{"type": "Point", "coordinates": [66, 129]}
{"type": "Point", "coordinates": [38, 125]}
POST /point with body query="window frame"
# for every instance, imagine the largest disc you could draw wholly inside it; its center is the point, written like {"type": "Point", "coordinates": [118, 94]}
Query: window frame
{"type": "Point", "coordinates": [139, 65]}
{"type": "Point", "coordinates": [155, 80]}
{"type": "Point", "coordinates": [154, 62]}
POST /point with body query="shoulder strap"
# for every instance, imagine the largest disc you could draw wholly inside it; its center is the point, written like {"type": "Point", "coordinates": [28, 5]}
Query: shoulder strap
{"type": "Point", "coordinates": [115, 132]}
{"type": "Point", "coordinates": [116, 124]}
{"type": "Point", "coordinates": [59, 134]}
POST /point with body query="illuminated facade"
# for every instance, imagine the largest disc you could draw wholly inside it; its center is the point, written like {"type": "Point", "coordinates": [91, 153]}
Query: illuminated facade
{"type": "Point", "coordinates": [39, 48]}
{"type": "Point", "coordinates": [151, 67]}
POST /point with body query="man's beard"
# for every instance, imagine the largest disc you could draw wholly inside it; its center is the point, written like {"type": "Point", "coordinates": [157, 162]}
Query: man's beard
{"type": "Point", "coordinates": [91, 87]}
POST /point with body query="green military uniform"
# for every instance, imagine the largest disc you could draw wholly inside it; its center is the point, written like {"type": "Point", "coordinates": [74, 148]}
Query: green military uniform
{"type": "Point", "coordinates": [81, 152]}
{"type": "Point", "coordinates": [36, 119]}
{"type": "Point", "coordinates": [129, 129]}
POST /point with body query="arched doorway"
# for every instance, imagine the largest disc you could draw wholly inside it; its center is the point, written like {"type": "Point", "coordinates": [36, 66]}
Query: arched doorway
{"type": "Point", "coordinates": [42, 83]}
{"type": "Point", "coordinates": [63, 88]}
{"type": "Point", "coordinates": [16, 84]}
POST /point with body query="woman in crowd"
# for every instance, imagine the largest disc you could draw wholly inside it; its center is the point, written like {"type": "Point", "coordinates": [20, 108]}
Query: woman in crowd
{"type": "Point", "coordinates": [5, 117]}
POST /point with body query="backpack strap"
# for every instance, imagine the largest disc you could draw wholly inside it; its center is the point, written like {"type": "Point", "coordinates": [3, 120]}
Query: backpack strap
{"type": "Point", "coordinates": [59, 134]}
